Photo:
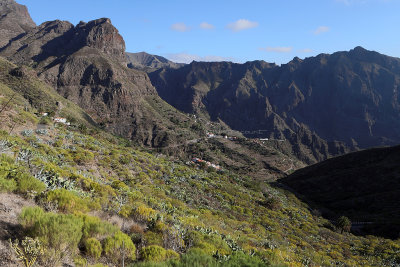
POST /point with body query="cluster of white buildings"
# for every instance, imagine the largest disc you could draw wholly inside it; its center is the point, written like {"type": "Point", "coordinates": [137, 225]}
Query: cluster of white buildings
{"type": "Point", "coordinates": [208, 164]}
{"type": "Point", "coordinates": [56, 119]}
{"type": "Point", "coordinates": [211, 135]}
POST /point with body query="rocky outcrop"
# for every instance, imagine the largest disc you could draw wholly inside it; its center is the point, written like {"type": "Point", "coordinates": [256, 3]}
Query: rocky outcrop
{"type": "Point", "coordinates": [86, 63]}
{"type": "Point", "coordinates": [57, 39]}
{"type": "Point", "coordinates": [102, 35]}
{"type": "Point", "coordinates": [14, 21]}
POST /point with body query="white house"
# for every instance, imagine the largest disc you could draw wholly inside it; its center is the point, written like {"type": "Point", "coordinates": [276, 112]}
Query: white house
{"type": "Point", "coordinates": [60, 120]}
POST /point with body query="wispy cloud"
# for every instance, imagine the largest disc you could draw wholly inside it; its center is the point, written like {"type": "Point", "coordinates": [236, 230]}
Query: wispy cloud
{"type": "Point", "coordinates": [321, 29]}
{"type": "Point", "coordinates": [305, 50]}
{"type": "Point", "coordinates": [180, 27]}
{"type": "Point", "coordinates": [357, 2]}
{"type": "Point", "coordinates": [206, 26]}
{"type": "Point", "coordinates": [278, 49]}
{"type": "Point", "coordinates": [187, 58]}
{"type": "Point", "coordinates": [350, 2]}
{"type": "Point", "coordinates": [242, 24]}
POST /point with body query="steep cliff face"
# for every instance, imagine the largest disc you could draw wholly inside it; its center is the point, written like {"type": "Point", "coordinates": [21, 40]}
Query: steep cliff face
{"type": "Point", "coordinates": [245, 98]}
{"type": "Point", "coordinates": [323, 105]}
{"type": "Point", "coordinates": [14, 21]}
{"type": "Point", "coordinates": [86, 63]}
{"type": "Point", "coordinates": [56, 40]}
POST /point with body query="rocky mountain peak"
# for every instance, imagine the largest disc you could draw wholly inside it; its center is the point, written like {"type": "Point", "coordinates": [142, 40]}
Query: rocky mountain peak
{"type": "Point", "coordinates": [14, 20]}
{"type": "Point", "coordinates": [102, 35]}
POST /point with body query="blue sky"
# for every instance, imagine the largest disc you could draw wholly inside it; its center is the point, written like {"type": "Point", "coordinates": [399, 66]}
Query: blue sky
{"type": "Point", "coordinates": [238, 30]}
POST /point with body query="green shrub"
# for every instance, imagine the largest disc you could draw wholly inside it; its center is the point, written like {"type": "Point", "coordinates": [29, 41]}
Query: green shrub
{"type": "Point", "coordinates": [94, 227]}
{"type": "Point", "coordinates": [80, 261]}
{"type": "Point", "coordinates": [153, 238]}
{"type": "Point", "coordinates": [93, 248]}
{"type": "Point", "coordinates": [117, 245]}
{"type": "Point", "coordinates": [241, 259]}
{"type": "Point", "coordinates": [197, 258]}
{"type": "Point", "coordinates": [28, 183]}
{"type": "Point", "coordinates": [7, 185]}
{"type": "Point", "coordinates": [67, 201]}
{"type": "Point", "coordinates": [170, 254]}
{"type": "Point", "coordinates": [343, 224]}
{"type": "Point", "coordinates": [8, 172]}
{"type": "Point", "coordinates": [82, 156]}
{"type": "Point", "coordinates": [153, 253]}
{"type": "Point", "coordinates": [59, 233]}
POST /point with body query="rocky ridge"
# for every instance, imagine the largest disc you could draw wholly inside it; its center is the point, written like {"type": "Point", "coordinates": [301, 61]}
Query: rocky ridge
{"type": "Point", "coordinates": [148, 62]}
{"type": "Point", "coordinates": [324, 105]}
{"type": "Point", "coordinates": [86, 63]}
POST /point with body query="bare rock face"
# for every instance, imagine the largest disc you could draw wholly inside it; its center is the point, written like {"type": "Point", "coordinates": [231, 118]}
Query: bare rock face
{"type": "Point", "coordinates": [102, 35]}
{"type": "Point", "coordinates": [55, 39]}
{"type": "Point", "coordinates": [86, 63]}
{"type": "Point", "coordinates": [323, 105]}
{"type": "Point", "coordinates": [14, 21]}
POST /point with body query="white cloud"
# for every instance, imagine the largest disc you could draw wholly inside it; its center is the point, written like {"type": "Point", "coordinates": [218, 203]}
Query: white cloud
{"type": "Point", "coordinates": [305, 50]}
{"type": "Point", "coordinates": [187, 58]}
{"type": "Point", "coordinates": [180, 27]}
{"type": "Point", "coordinates": [206, 26]}
{"type": "Point", "coordinates": [242, 24]}
{"type": "Point", "coordinates": [278, 49]}
{"type": "Point", "coordinates": [321, 29]}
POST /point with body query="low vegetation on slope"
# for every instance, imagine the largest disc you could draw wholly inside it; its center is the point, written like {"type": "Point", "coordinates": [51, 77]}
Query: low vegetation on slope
{"type": "Point", "coordinates": [366, 188]}
{"type": "Point", "coordinates": [99, 201]}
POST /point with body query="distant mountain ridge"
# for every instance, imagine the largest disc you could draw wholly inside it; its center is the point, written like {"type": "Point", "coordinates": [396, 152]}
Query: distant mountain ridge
{"type": "Point", "coordinates": [324, 105]}
{"type": "Point", "coordinates": [145, 61]}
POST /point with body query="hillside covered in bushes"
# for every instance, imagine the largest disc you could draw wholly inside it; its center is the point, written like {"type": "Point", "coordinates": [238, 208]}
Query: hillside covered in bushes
{"type": "Point", "coordinates": [98, 201]}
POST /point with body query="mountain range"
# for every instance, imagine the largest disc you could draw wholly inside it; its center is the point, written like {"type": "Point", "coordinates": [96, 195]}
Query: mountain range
{"type": "Point", "coordinates": [87, 64]}
{"type": "Point", "coordinates": [324, 105]}
{"type": "Point", "coordinates": [206, 159]}
{"type": "Point", "coordinates": [321, 106]}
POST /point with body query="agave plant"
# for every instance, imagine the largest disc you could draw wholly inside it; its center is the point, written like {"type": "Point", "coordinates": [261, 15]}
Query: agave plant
{"type": "Point", "coordinates": [27, 132]}
{"type": "Point", "coordinates": [5, 146]}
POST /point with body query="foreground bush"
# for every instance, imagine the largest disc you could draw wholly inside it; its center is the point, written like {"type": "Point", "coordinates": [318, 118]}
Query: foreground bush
{"type": "Point", "coordinates": [59, 233]}
{"type": "Point", "coordinates": [118, 245]}
{"type": "Point", "coordinates": [7, 173]}
{"type": "Point", "coordinates": [68, 201]}
{"type": "Point", "coordinates": [27, 183]}
{"type": "Point", "coordinates": [7, 186]}
{"type": "Point", "coordinates": [199, 258]}
{"type": "Point", "coordinates": [93, 248]}
{"type": "Point", "coordinates": [153, 253]}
